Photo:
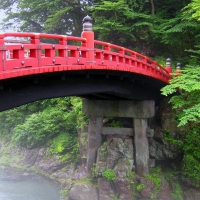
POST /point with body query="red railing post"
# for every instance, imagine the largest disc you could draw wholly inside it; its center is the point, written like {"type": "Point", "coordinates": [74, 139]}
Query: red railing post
{"type": "Point", "coordinates": [88, 34]}
{"type": "Point", "coordinates": [3, 53]}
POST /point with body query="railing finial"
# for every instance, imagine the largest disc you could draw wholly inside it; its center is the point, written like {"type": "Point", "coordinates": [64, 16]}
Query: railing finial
{"type": "Point", "coordinates": [87, 25]}
{"type": "Point", "coordinates": [178, 66]}
{"type": "Point", "coordinates": [178, 69]}
{"type": "Point", "coordinates": [168, 65]}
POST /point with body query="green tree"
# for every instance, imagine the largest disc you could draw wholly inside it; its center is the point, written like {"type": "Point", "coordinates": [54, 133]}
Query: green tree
{"type": "Point", "coordinates": [193, 9]}
{"type": "Point", "coordinates": [50, 123]}
{"type": "Point", "coordinates": [121, 23]}
{"type": "Point", "coordinates": [154, 28]}
{"type": "Point", "coordinates": [187, 102]}
{"type": "Point", "coordinates": [61, 17]}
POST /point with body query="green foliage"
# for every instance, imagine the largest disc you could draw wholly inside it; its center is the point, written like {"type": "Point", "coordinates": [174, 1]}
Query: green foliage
{"type": "Point", "coordinates": [140, 187]}
{"type": "Point", "coordinates": [168, 176]}
{"type": "Point", "coordinates": [116, 123]}
{"type": "Point", "coordinates": [131, 175]}
{"type": "Point", "coordinates": [192, 143]}
{"type": "Point", "coordinates": [193, 9]}
{"type": "Point", "coordinates": [45, 16]}
{"type": "Point", "coordinates": [114, 196]}
{"type": "Point", "coordinates": [177, 191]}
{"type": "Point", "coordinates": [104, 151]}
{"type": "Point", "coordinates": [49, 123]}
{"type": "Point", "coordinates": [5, 160]}
{"type": "Point", "coordinates": [81, 119]}
{"type": "Point", "coordinates": [155, 178]}
{"type": "Point", "coordinates": [109, 174]}
{"type": "Point", "coordinates": [95, 170]}
{"type": "Point", "coordinates": [188, 101]}
{"type": "Point", "coordinates": [62, 142]}
{"type": "Point", "coordinates": [117, 23]}
{"type": "Point", "coordinates": [191, 170]}
{"type": "Point", "coordinates": [185, 100]}
{"type": "Point", "coordinates": [64, 192]}
{"type": "Point", "coordinates": [40, 127]}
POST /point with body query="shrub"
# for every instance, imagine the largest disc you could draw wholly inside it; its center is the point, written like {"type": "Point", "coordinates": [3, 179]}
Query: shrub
{"type": "Point", "coordinates": [109, 174]}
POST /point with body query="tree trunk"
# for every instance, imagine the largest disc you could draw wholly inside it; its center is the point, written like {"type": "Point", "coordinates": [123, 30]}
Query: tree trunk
{"type": "Point", "coordinates": [152, 7]}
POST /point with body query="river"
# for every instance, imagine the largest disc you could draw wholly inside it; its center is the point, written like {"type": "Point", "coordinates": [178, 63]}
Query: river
{"type": "Point", "coordinates": [22, 185]}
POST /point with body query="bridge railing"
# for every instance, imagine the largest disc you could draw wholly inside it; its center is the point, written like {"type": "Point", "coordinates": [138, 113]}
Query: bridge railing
{"type": "Point", "coordinates": [29, 51]}
{"type": "Point", "coordinates": [19, 51]}
{"type": "Point", "coordinates": [128, 60]}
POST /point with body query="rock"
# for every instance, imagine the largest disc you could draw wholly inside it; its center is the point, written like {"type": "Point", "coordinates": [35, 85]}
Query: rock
{"type": "Point", "coordinates": [123, 188]}
{"type": "Point", "coordinates": [67, 184]}
{"type": "Point", "coordinates": [192, 194]}
{"type": "Point", "coordinates": [30, 157]}
{"type": "Point", "coordinates": [165, 190]}
{"type": "Point", "coordinates": [116, 155]}
{"type": "Point", "coordinates": [148, 189]}
{"type": "Point", "coordinates": [83, 192]}
{"type": "Point", "coordinates": [106, 189]}
{"type": "Point", "coordinates": [40, 154]}
{"type": "Point", "coordinates": [82, 171]}
{"type": "Point", "coordinates": [164, 150]}
{"type": "Point", "coordinates": [159, 148]}
{"type": "Point", "coordinates": [50, 166]}
{"type": "Point", "coordinates": [60, 175]}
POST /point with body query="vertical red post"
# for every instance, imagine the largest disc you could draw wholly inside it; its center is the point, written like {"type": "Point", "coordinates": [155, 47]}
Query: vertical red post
{"type": "Point", "coordinates": [88, 34]}
{"type": "Point", "coordinates": [2, 39]}
{"type": "Point", "coordinates": [2, 53]}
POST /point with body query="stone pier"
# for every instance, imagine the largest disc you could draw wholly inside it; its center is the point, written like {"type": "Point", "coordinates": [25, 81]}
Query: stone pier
{"type": "Point", "coordinates": [140, 111]}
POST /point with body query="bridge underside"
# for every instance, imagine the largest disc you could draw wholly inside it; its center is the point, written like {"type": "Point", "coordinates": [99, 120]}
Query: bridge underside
{"type": "Point", "coordinates": [90, 84]}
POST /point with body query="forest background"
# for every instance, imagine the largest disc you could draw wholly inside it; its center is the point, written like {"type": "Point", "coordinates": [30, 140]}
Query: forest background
{"type": "Point", "coordinates": [157, 29]}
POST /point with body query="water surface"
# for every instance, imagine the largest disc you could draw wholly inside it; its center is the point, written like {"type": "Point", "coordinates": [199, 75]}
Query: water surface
{"type": "Point", "coordinates": [22, 185]}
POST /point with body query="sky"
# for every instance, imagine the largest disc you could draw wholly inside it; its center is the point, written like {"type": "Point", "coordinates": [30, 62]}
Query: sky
{"type": "Point", "coordinates": [2, 15]}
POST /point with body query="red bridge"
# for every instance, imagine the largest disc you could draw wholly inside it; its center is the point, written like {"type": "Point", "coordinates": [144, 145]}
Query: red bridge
{"type": "Point", "coordinates": [32, 69]}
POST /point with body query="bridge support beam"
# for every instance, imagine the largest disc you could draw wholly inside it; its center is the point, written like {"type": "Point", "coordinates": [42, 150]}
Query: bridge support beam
{"type": "Point", "coordinates": [140, 111]}
{"type": "Point", "coordinates": [94, 140]}
{"type": "Point", "coordinates": [141, 146]}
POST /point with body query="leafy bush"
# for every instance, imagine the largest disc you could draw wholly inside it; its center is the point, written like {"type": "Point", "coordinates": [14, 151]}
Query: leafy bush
{"type": "Point", "coordinates": [40, 127]}
{"type": "Point", "coordinates": [140, 187]}
{"type": "Point", "coordinates": [177, 191]}
{"type": "Point", "coordinates": [109, 174]}
{"type": "Point", "coordinates": [191, 170]}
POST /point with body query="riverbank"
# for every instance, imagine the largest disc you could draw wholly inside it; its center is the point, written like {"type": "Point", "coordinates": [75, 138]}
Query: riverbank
{"type": "Point", "coordinates": [35, 161]}
{"type": "Point", "coordinates": [75, 185]}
